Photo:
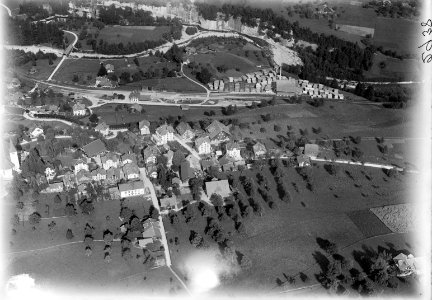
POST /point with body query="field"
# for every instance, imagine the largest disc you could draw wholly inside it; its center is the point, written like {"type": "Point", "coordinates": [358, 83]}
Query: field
{"type": "Point", "coordinates": [398, 218]}
{"type": "Point", "coordinates": [169, 84]}
{"type": "Point", "coordinates": [395, 69]}
{"type": "Point", "coordinates": [403, 42]}
{"type": "Point", "coordinates": [44, 69]}
{"type": "Point", "coordinates": [126, 34]}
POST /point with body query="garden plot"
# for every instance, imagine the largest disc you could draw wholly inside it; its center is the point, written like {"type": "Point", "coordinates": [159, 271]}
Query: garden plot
{"type": "Point", "coordinates": [398, 218]}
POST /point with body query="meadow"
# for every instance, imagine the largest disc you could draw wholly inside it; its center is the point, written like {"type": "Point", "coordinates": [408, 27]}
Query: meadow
{"type": "Point", "coordinates": [126, 34]}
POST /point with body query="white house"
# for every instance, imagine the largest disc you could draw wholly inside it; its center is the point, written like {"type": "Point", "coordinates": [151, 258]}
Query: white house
{"type": "Point", "coordinates": [110, 160]}
{"type": "Point", "coordinates": [164, 134]}
{"type": "Point", "coordinates": [233, 150]}
{"type": "Point", "coordinates": [131, 189]}
{"type": "Point", "coordinates": [203, 145]}
{"type": "Point", "coordinates": [50, 172]}
{"type": "Point", "coordinates": [35, 131]}
{"type": "Point", "coordinates": [259, 149]}
{"type": "Point", "coordinates": [144, 127]}
{"type": "Point", "coordinates": [79, 109]}
{"type": "Point", "coordinates": [150, 154]}
{"type": "Point", "coordinates": [79, 165]}
{"type": "Point", "coordinates": [99, 174]}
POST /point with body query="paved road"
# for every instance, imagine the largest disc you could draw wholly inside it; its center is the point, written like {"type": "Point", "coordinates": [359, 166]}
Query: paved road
{"type": "Point", "coordinates": [196, 82]}
{"type": "Point", "coordinates": [28, 117]}
{"type": "Point", "coordinates": [7, 8]}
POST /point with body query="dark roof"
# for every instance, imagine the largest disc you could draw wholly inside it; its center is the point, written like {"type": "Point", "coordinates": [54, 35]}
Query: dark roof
{"type": "Point", "coordinates": [94, 148]}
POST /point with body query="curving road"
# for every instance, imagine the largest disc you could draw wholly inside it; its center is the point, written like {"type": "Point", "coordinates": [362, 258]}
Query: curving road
{"type": "Point", "coordinates": [196, 82]}
{"type": "Point", "coordinates": [7, 8]}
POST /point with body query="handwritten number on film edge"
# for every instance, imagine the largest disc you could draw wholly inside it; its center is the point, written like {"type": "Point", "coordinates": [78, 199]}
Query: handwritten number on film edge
{"type": "Point", "coordinates": [427, 57]}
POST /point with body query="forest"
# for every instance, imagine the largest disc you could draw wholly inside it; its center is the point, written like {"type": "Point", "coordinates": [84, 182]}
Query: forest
{"type": "Point", "coordinates": [22, 32]}
{"type": "Point", "coordinates": [334, 57]}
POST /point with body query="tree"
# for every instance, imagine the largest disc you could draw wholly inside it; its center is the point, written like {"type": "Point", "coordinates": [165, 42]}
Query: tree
{"type": "Point", "coordinates": [154, 212]}
{"type": "Point", "coordinates": [34, 218]}
{"type": "Point", "coordinates": [69, 234]}
{"type": "Point", "coordinates": [102, 70]}
{"type": "Point", "coordinates": [204, 76]}
{"type": "Point", "coordinates": [93, 118]}
{"type": "Point", "coordinates": [70, 210]}
{"type": "Point", "coordinates": [108, 237]}
{"type": "Point", "coordinates": [86, 207]}
{"type": "Point", "coordinates": [216, 200]}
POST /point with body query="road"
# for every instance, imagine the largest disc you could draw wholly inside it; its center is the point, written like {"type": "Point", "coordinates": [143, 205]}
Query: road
{"type": "Point", "coordinates": [196, 82]}
{"type": "Point", "coordinates": [7, 8]}
{"type": "Point", "coordinates": [149, 184]}
{"type": "Point", "coordinates": [189, 148]}
{"type": "Point", "coordinates": [28, 117]}
{"type": "Point", "coordinates": [64, 56]}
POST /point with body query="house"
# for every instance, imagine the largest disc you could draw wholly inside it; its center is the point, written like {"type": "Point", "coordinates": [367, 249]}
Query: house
{"type": "Point", "coordinates": [186, 172]}
{"type": "Point", "coordinates": [83, 176]}
{"type": "Point", "coordinates": [128, 159]}
{"type": "Point", "coordinates": [144, 127]}
{"type": "Point", "coordinates": [152, 170]}
{"type": "Point", "coordinates": [150, 154]}
{"type": "Point", "coordinates": [219, 187]}
{"type": "Point", "coordinates": [95, 148]}
{"type": "Point", "coordinates": [259, 149]}
{"type": "Point", "coordinates": [208, 163]}
{"type": "Point", "coordinates": [131, 189]}
{"type": "Point", "coordinates": [110, 160]}
{"type": "Point", "coordinates": [99, 174]}
{"type": "Point", "coordinates": [303, 161]}
{"type": "Point", "coordinates": [103, 128]}
{"type": "Point", "coordinates": [79, 109]}
{"type": "Point", "coordinates": [68, 180]}
{"type": "Point", "coordinates": [168, 203]}
{"type": "Point", "coordinates": [408, 264]}
{"type": "Point", "coordinates": [35, 131]}
{"type": "Point", "coordinates": [80, 164]}
{"type": "Point", "coordinates": [109, 68]}
{"type": "Point", "coordinates": [50, 172]}
{"type": "Point", "coordinates": [311, 150]}
{"type": "Point", "coordinates": [135, 96]}
{"type": "Point", "coordinates": [169, 155]}
{"type": "Point", "coordinates": [131, 171]}
{"type": "Point", "coordinates": [103, 81]}
{"type": "Point", "coordinates": [185, 131]}
{"type": "Point", "coordinates": [202, 144]}
{"type": "Point", "coordinates": [53, 188]}
{"type": "Point", "coordinates": [114, 175]}
{"type": "Point", "coordinates": [114, 193]}
{"type": "Point", "coordinates": [233, 150]}
{"type": "Point", "coordinates": [164, 134]}
{"type": "Point", "coordinates": [218, 132]}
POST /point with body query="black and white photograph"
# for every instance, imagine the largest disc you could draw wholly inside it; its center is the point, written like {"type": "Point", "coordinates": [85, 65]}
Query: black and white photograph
{"type": "Point", "coordinates": [215, 149]}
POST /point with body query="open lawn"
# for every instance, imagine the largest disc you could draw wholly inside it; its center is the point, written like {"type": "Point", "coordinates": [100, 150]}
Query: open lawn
{"type": "Point", "coordinates": [44, 69]}
{"type": "Point", "coordinates": [169, 84]}
{"type": "Point", "coordinates": [126, 34]}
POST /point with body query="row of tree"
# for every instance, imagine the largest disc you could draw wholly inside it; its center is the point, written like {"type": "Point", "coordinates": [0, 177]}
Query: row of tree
{"type": "Point", "coordinates": [24, 32]}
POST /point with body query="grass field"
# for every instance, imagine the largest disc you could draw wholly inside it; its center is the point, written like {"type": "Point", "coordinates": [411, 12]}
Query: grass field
{"type": "Point", "coordinates": [169, 84]}
{"type": "Point", "coordinates": [125, 34]}
{"type": "Point", "coordinates": [44, 69]}
{"type": "Point", "coordinates": [395, 69]}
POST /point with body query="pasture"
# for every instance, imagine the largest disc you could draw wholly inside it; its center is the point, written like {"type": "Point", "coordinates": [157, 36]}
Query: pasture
{"type": "Point", "coordinates": [126, 34]}
{"type": "Point", "coordinates": [394, 69]}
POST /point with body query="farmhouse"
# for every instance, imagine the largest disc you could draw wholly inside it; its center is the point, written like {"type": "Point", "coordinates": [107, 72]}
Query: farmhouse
{"type": "Point", "coordinates": [83, 176]}
{"type": "Point", "coordinates": [168, 203]}
{"type": "Point", "coordinates": [79, 109]}
{"type": "Point", "coordinates": [218, 132]}
{"type": "Point", "coordinates": [220, 187]}
{"type": "Point", "coordinates": [99, 174]}
{"type": "Point", "coordinates": [103, 81]}
{"type": "Point", "coordinates": [110, 160]}
{"type": "Point", "coordinates": [311, 150]}
{"type": "Point", "coordinates": [109, 68]}
{"type": "Point", "coordinates": [185, 131]}
{"type": "Point", "coordinates": [259, 149]}
{"type": "Point", "coordinates": [131, 189]}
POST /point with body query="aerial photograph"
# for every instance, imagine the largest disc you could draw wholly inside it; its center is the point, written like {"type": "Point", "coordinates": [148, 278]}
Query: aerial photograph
{"type": "Point", "coordinates": [215, 148]}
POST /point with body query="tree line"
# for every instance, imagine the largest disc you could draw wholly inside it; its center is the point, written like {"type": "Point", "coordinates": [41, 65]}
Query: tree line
{"type": "Point", "coordinates": [23, 32]}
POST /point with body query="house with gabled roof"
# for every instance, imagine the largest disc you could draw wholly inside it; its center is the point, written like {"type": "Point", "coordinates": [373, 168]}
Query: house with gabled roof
{"type": "Point", "coordinates": [203, 145]}
{"type": "Point", "coordinates": [218, 132]}
{"type": "Point", "coordinates": [103, 128]}
{"type": "Point", "coordinates": [131, 171]}
{"type": "Point", "coordinates": [144, 127]}
{"type": "Point", "coordinates": [131, 189]}
{"type": "Point", "coordinates": [99, 174]}
{"type": "Point", "coordinates": [164, 134]}
{"type": "Point", "coordinates": [150, 154]}
{"type": "Point", "coordinates": [185, 131]}
{"type": "Point", "coordinates": [68, 180]}
{"type": "Point", "coordinates": [80, 164]}
{"type": "Point", "coordinates": [114, 175]}
{"type": "Point", "coordinates": [95, 148]}
{"type": "Point", "coordinates": [219, 187]}
{"type": "Point", "coordinates": [79, 109]}
{"type": "Point", "coordinates": [50, 172]}
{"type": "Point", "coordinates": [109, 68]}
{"type": "Point", "coordinates": [110, 160]}
{"type": "Point", "coordinates": [259, 149]}
{"type": "Point", "coordinates": [152, 170]}
{"type": "Point", "coordinates": [233, 150]}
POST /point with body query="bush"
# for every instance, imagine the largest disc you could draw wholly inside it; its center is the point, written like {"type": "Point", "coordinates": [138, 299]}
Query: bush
{"type": "Point", "coordinates": [191, 30]}
{"type": "Point", "coordinates": [277, 128]}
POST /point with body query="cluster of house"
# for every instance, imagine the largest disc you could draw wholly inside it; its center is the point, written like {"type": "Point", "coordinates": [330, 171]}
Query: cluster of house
{"type": "Point", "coordinates": [256, 82]}
{"type": "Point", "coordinates": [318, 90]}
